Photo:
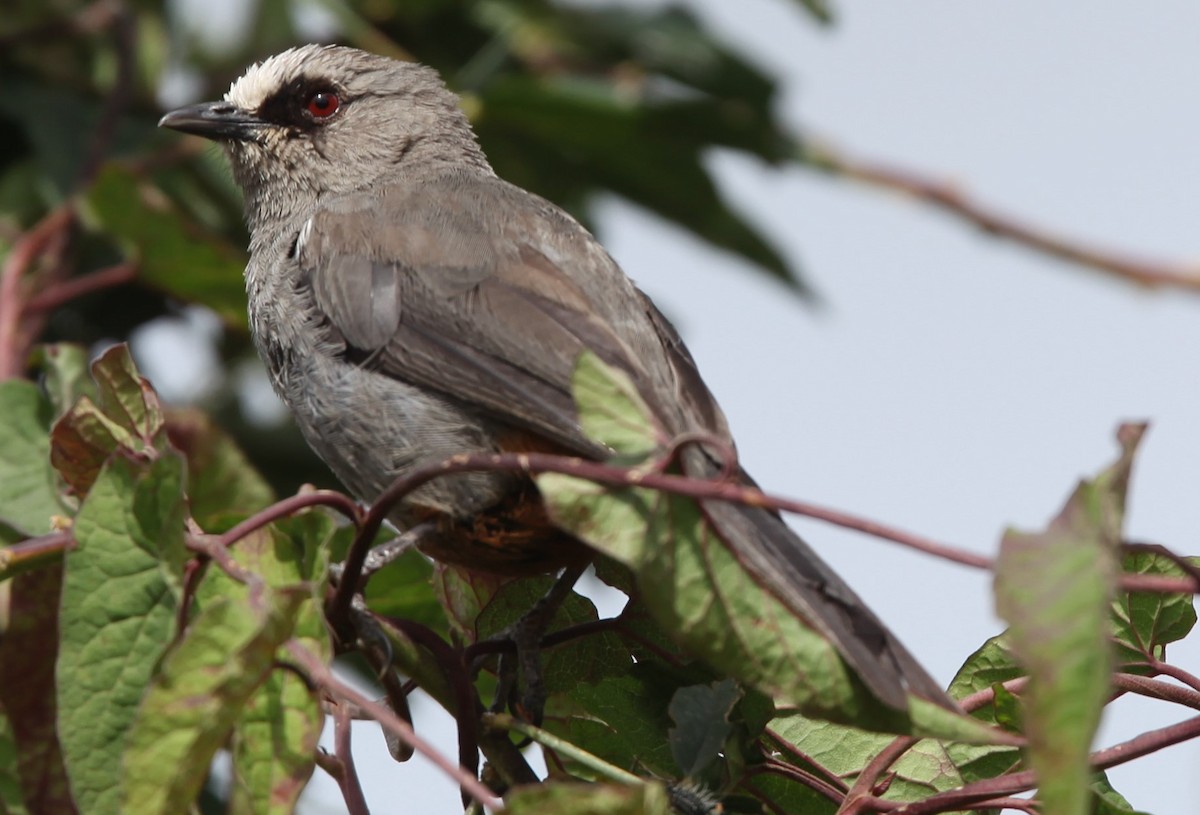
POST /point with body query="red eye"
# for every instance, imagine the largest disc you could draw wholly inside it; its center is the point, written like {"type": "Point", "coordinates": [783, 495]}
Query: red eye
{"type": "Point", "coordinates": [323, 105]}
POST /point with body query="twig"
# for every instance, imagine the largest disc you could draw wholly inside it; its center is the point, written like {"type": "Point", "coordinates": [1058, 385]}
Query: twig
{"type": "Point", "coordinates": [20, 258]}
{"type": "Point", "coordinates": [1175, 672]}
{"type": "Point", "coordinates": [356, 803]}
{"type": "Point", "coordinates": [505, 721]}
{"type": "Point", "coordinates": [877, 804]}
{"type": "Point", "coordinates": [863, 790]}
{"type": "Point", "coordinates": [1185, 565]}
{"type": "Point", "coordinates": [33, 550]}
{"type": "Point", "coordinates": [949, 198]}
{"type": "Point", "coordinates": [1159, 583]}
{"type": "Point", "coordinates": [1157, 689]}
{"type": "Point", "coordinates": [211, 547]}
{"type": "Point", "coordinates": [979, 791]}
{"type": "Point", "coordinates": [834, 790]}
{"type": "Point", "coordinates": [68, 290]}
{"type": "Point", "coordinates": [1146, 743]}
{"type": "Point", "coordinates": [538, 463]}
{"type": "Point", "coordinates": [829, 777]}
{"type": "Point", "coordinates": [988, 695]}
{"type": "Point", "coordinates": [324, 678]}
{"type": "Point", "coordinates": [337, 501]}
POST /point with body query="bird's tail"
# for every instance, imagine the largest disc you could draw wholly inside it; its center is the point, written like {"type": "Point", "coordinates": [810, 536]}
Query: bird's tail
{"type": "Point", "coordinates": [780, 561]}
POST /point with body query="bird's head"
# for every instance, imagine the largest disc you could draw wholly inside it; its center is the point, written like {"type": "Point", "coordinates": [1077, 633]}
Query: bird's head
{"type": "Point", "coordinates": [319, 120]}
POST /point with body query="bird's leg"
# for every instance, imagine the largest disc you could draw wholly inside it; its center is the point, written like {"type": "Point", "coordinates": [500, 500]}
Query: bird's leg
{"type": "Point", "coordinates": [386, 552]}
{"type": "Point", "coordinates": [522, 671]}
{"type": "Point", "coordinates": [383, 554]}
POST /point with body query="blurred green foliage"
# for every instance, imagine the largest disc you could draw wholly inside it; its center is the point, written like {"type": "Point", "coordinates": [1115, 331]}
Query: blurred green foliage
{"type": "Point", "coordinates": [572, 101]}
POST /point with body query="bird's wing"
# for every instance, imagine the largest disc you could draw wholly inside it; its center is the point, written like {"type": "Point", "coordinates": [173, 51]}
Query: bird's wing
{"type": "Point", "coordinates": [477, 309]}
{"type": "Point", "coordinates": [462, 297]}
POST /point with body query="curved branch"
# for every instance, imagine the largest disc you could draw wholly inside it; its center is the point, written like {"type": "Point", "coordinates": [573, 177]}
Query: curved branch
{"type": "Point", "coordinates": [532, 464]}
{"type": "Point", "coordinates": [951, 199]}
{"type": "Point", "coordinates": [337, 501]}
{"type": "Point", "coordinates": [324, 678]}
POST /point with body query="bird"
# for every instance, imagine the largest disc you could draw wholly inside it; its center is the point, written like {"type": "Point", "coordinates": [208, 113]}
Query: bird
{"type": "Point", "coordinates": [410, 305]}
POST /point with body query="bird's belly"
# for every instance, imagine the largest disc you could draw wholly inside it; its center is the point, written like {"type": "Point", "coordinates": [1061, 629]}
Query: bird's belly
{"type": "Point", "coordinates": [371, 429]}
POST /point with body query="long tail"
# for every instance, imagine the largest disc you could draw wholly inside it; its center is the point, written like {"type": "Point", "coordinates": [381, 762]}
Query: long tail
{"type": "Point", "coordinates": [787, 567]}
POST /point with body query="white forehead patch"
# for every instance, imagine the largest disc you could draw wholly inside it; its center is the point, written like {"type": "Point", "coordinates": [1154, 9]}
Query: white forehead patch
{"type": "Point", "coordinates": [265, 78]}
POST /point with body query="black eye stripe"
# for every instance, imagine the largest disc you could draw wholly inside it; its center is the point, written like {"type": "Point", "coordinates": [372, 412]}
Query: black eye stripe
{"type": "Point", "coordinates": [287, 106]}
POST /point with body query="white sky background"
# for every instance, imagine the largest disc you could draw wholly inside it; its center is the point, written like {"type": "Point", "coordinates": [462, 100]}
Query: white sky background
{"type": "Point", "coordinates": [952, 384]}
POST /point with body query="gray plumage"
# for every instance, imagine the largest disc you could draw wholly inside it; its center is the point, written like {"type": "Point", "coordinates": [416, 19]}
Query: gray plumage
{"type": "Point", "coordinates": [410, 305]}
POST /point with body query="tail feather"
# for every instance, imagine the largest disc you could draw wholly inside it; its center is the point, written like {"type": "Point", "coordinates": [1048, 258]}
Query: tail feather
{"type": "Point", "coordinates": [788, 568]}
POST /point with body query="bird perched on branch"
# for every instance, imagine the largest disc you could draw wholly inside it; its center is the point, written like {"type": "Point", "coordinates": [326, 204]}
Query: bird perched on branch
{"type": "Point", "coordinates": [410, 305]}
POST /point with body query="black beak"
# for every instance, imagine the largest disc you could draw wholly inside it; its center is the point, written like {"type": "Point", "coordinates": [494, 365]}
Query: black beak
{"type": "Point", "coordinates": [220, 121]}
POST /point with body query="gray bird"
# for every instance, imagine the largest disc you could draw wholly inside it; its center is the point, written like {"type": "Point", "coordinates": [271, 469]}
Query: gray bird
{"type": "Point", "coordinates": [410, 305]}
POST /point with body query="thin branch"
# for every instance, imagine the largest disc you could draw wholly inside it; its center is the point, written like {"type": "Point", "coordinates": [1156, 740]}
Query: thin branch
{"type": "Point", "coordinates": [538, 463]}
{"type": "Point", "coordinates": [193, 571]}
{"type": "Point", "coordinates": [1185, 565]}
{"type": "Point", "coordinates": [863, 790]}
{"type": "Point", "coordinates": [68, 290]}
{"type": "Point", "coordinates": [1175, 672]}
{"type": "Point", "coordinates": [954, 201]}
{"type": "Point", "coordinates": [988, 695]}
{"type": "Point", "coordinates": [1158, 583]}
{"type": "Point", "coordinates": [356, 802]}
{"type": "Point", "coordinates": [834, 791]}
{"type": "Point", "coordinates": [24, 252]}
{"type": "Point", "coordinates": [324, 678]}
{"type": "Point", "coordinates": [827, 776]}
{"type": "Point", "coordinates": [1157, 689]}
{"type": "Point", "coordinates": [1146, 743]}
{"type": "Point", "coordinates": [337, 501]}
{"type": "Point", "coordinates": [34, 550]}
{"type": "Point", "coordinates": [507, 722]}
{"type": "Point", "coordinates": [877, 804]}
{"type": "Point", "coordinates": [980, 791]}
{"type": "Point", "coordinates": [211, 547]}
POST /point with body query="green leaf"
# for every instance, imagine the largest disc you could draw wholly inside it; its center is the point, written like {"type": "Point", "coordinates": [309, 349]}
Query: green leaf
{"type": "Point", "coordinates": [226, 654]}
{"type": "Point", "coordinates": [701, 716]}
{"type": "Point", "coordinates": [127, 397]}
{"type": "Point", "coordinates": [27, 695]}
{"type": "Point", "coordinates": [274, 746]}
{"type": "Point", "coordinates": [404, 589]}
{"type": "Point", "coordinates": [126, 417]}
{"type": "Point", "coordinates": [118, 614]}
{"type": "Point", "coordinates": [923, 770]}
{"type": "Point", "coordinates": [1055, 588]}
{"type": "Point", "coordinates": [28, 486]}
{"type": "Point", "coordinates": [275, 736]}
{"type": "Point", "coordinates": [695, 588]}
{"type": "Point", "coordinates": [620, 719]}
{"type": "Point", "coordinates": [223, 486]}
{"type": "Point", "coordinates": [991, 665]}
{"type": "Point", "coordinates": [781, 794]}
{"type": "Point", "coordinates": [582, 659]}
{"type": "Point", "coordinates": [611, 411]}
{"type": "Point", "coordinates": [1145, 622]}
{"type": "Point", "coordinates": [588, 799]}
{"type": "Point", "coordinates": [1107, 801]}
{"type": "Point", "coordinates": [161, 238]}
{"type": "Point", "coordinates": [463, 594]}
